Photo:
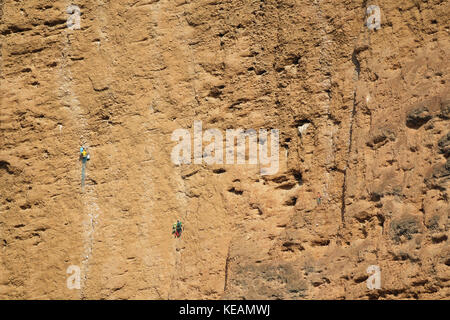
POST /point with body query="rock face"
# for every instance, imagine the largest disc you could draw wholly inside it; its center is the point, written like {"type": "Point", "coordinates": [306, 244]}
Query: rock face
{"type": "Point", "coordinates": [119, 77]}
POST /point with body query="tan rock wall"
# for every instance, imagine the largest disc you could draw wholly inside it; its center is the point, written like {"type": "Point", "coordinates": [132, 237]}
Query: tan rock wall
{"type": "Point", "coordinates": [376, 148]}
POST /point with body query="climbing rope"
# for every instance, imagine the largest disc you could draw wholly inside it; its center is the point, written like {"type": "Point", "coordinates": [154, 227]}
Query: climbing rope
{"type": "Point", "coordinates": [83, 172]}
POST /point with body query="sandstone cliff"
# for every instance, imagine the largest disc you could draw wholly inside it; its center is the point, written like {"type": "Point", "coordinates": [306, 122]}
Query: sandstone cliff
{"type": "Point", "coordinates": [375, 103]}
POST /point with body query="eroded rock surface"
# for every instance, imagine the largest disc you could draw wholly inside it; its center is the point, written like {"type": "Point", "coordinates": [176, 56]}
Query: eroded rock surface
{"type": "Point", "coordinates": [375, 147]}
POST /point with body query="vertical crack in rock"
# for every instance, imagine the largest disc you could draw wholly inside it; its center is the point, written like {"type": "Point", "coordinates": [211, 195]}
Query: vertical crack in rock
{"type": "Point", "coordinates": [227, 264]}
{"type": "Point", "coordinates": [192, 56]}
{"type": "Point", "coordinates": [356, 63]}
{"type": "Point", "coordinates": [70, 100]}
{"type": "Point", "coordinates": [350, 138]}
{"type": "Point", "coordinates": [344, 185]}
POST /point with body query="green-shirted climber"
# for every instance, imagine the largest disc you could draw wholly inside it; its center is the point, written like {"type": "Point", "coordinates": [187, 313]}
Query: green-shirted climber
{"type": "Point", "coordinates": [177, 228]}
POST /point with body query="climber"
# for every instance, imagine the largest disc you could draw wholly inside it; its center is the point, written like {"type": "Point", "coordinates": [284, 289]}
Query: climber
{"type": "Point", "coordinates": [179, 228]}
{"type": "Point", "coordinates": [83, 153]}
{"type": "Point", "coordinates": [319, 198]}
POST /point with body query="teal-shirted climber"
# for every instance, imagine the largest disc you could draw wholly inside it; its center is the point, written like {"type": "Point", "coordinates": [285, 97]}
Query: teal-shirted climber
{"type": "Point", "coordinates": [177, 228]}
{"type": "Point", "coordinates": [84, 154]}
